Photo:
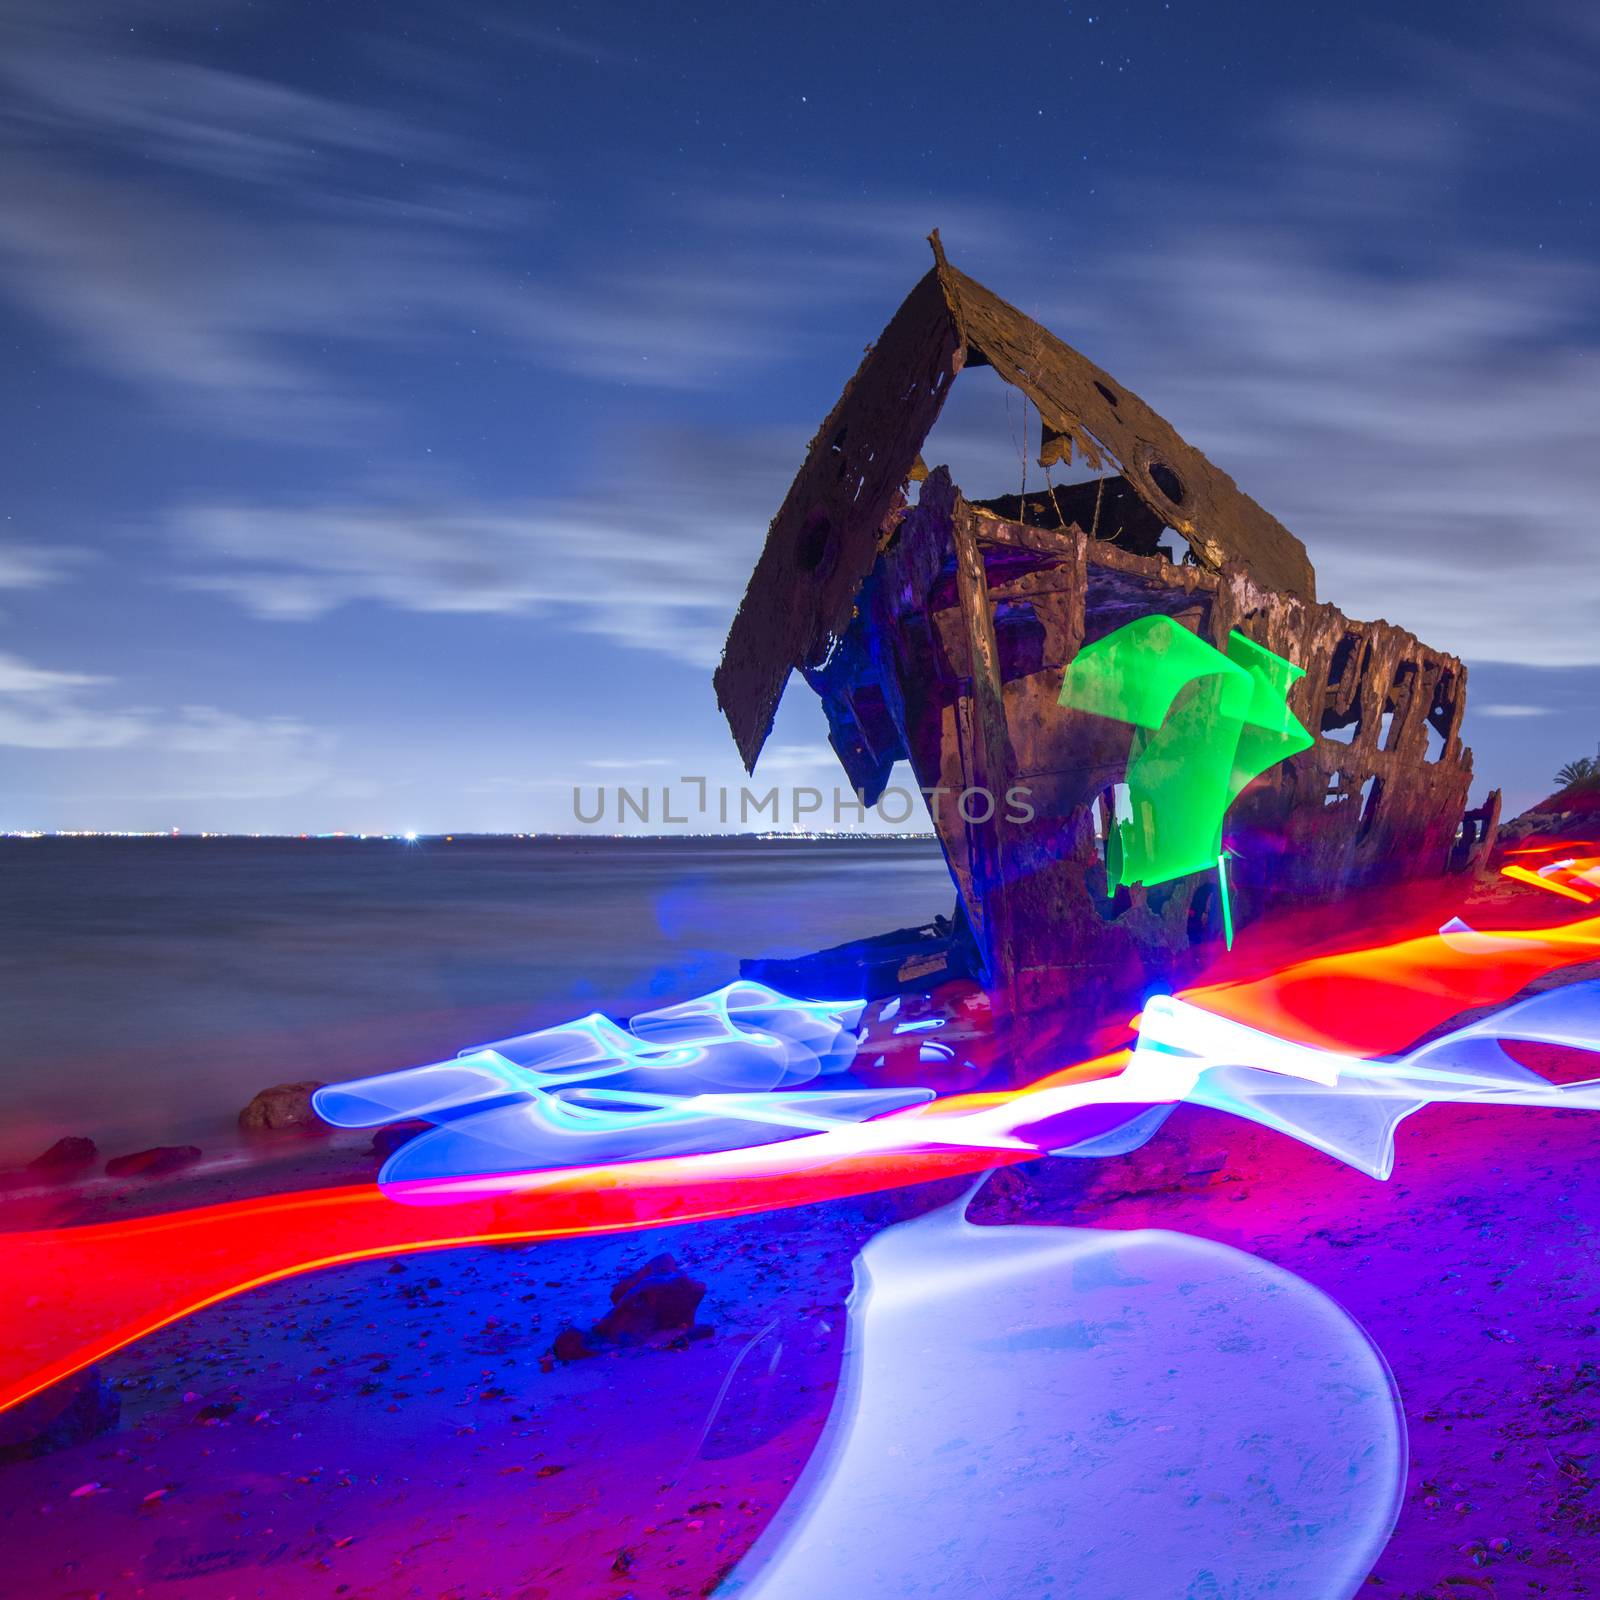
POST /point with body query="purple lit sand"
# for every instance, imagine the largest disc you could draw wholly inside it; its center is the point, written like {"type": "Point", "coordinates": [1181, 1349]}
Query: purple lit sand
{"type": "Point", "coordinates": [399, 1429]}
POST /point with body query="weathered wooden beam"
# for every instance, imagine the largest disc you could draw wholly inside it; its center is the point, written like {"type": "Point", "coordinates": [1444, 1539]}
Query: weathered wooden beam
{"type": "Point", "coordinates": [987, 756]}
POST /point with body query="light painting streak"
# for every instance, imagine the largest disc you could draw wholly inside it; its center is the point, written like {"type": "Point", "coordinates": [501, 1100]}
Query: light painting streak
{"type": "Point", "coordinates": [1561, 877]}
{"type": "Point", "coordinates": [1033, 1411]}
{"type": "Point", "coordinates": [71, 1296]}
{"type": "Point", "coordinates": [718, 1072]}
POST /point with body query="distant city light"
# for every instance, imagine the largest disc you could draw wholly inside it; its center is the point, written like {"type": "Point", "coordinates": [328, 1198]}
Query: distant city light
{"type": "Point", "coordinates": [411, 838]}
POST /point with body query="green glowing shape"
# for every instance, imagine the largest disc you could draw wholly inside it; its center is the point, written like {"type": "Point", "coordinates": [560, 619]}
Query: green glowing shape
{"type": "Point", "coordinates": [1205, 725]}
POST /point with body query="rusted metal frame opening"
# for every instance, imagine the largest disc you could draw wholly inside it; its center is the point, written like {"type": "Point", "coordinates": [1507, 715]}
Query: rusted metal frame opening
{"type": "Point", "coordinates": [1342, 715]}
{"type": "Point", "coordinates": [1444, 713]}
{"type": "Point", "coordinates": [1398, 708]}
{"type": "Point", "coordinates": [1475, 836]}
{"type": "Point", "coordinates": [1371, 802]}
{"type": "Point", "coordinates": [1105, 508]}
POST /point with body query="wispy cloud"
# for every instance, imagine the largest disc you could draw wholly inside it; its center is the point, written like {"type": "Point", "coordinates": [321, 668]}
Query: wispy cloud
{"type": "Point", "coordinates": [1547, 66]}
{"type": "Point", "coordinates": [195, 752]}
{"type": "Point", "coordinates": [243, 318]}
{"type": "Point", "coordinates": [215, 314]}
{"type": "Point", "coordinates": [42, 708]}
{"type": "Point", "coordinates": [32, 566]}
{"type": "Point", "coordinates": [225, 241]}
{"type": "Point", "coordinates": [1411, 389]}
{"type": "Point", "coordinates": [1420, 427]}
{"type": "Point", "coordinates": [798, 758]}
{"type": "Point", "coordinates": [1428, 436]}
{"type": "Point", "coordinates": [147, 91]}
{"type": "Point", "coordinates": [197, 117]}
{"type": "Point", "coordinates": [222, 240]}
{"type": "Point", "coordinates": [656, 562]}
{"type": "Point", "coordinates": [555, 40]}
{"type": "Point", "coordinates": [767, 262]}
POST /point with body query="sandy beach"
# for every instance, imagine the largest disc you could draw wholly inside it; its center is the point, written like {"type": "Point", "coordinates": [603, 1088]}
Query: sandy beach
{"type": "Point", "coordinates": [400, 1427]}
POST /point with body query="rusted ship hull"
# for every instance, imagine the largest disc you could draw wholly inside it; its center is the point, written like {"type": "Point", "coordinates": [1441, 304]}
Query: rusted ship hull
{"type": "Point", "coordinates": [954, 661]}
{"type": "Point", "coordinates": [939, 633]}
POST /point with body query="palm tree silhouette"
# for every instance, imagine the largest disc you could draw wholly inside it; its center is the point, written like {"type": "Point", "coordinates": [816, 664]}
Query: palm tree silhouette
{"type": "Point", "coordinates": [1584, 773]}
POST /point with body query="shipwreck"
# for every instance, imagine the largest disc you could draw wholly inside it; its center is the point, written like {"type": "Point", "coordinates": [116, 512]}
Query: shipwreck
{"type": "Point", "coordinates": [938, 631]}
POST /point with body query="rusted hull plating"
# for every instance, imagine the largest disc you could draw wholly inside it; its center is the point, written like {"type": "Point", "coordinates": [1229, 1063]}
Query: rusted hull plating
{"type": "Point", "coordinates": [954, 661]}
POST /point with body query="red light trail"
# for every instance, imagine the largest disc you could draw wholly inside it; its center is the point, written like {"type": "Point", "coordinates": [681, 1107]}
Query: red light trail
{"type": "Point", "coordinates": [70, 1296]}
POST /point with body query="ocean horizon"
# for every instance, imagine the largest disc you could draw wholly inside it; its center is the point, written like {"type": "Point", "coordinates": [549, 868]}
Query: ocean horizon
{"type": "Point", "coordinates": [153, 983]}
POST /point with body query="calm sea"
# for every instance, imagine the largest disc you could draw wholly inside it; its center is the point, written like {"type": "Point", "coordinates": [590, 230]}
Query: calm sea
{"type": "Point", "coordinates": [148, 987]}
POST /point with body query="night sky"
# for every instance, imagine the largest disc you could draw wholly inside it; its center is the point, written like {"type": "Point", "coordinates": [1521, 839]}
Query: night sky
{"type": "Point", "coordinates": [396, 395]}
